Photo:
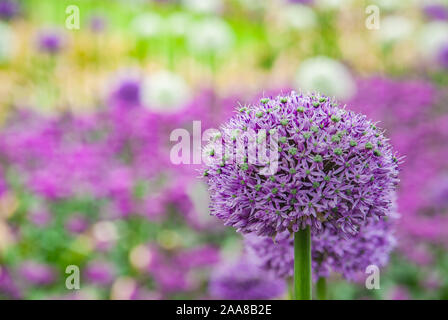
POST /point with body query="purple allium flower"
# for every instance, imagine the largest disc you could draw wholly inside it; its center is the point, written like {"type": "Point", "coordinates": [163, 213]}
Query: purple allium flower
{"type": "Point", "coordinates": [36, 273]}
{"type": "Point", "coordinates": [50, 41]}
{"type": "Point", "coordinates": [9, 9]}
{"type": "Point", "coordinates": [40, 218]}
{"type": "Point", "coordinates": [198, 257]}
{"type": "Point", "coordinates": [76, 224]}
{"type": "Point", "coordinates": [436, 11]}
{"type": "Point", "coordinates": [126, 93]}
{"type": "Point", "coordinates": [243, 280]}
{"type": "Point", "coordinates": [443, 57]}
{"type": "Point", "coordinates": [335, 168]}
{"type": "Point", "coordinates": [330, 252]}
{"type": "Point", "coordinates": [97, 23]}
{"type": "Point", "coordinates": [101, 273]}
{"type": "Point", "coordinates": [8, 287]}
{"type": "Point", "coordinates": [3, 184]}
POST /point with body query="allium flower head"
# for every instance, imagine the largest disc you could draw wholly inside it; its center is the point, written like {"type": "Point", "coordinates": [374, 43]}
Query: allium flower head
{"type": "Point", "coordinates": [330, 252]}
{"type": "Point", "coordinates": [244, 280]}
{"type": "Point", "coordinates": [335, 168]}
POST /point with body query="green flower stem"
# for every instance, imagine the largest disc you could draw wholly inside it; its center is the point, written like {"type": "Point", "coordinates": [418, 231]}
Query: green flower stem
{"type": "Point", "coordinates": [302, 264]}
{"type": "Point", "coordinates": [321, 289]}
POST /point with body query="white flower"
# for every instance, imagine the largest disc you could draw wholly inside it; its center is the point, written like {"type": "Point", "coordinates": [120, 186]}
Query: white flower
{"type": "Point", "coordinates": [432, 38]}
{"type": "Point", "coordinates": [147, 25]}
{"type": "Point", "coordinates": [333, 4]}
{"type": "Point", "coordinates": [394, 29]}
{"type": "Point", "coordinates": [178, 23]}
{"type": "Point", "coordinates": [165, 92]}
{"type": "Point", "coordinates": [327, 76]}
{"type": "Point", "coordinates": [203, 6]}
{"type": "Point", "coordinates": [6, 42]}
{"type": "Point", "coordinates": [210, 35]}
{"type": "Point", "coordinates": [298, 16]}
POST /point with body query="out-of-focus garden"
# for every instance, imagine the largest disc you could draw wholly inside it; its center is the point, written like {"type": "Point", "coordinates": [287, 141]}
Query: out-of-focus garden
{"type": "Point", "coordinates": [86, 115]}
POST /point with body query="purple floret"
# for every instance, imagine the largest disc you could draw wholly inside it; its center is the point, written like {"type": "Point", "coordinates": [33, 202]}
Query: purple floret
{"type": "Point", "coordinates": [335, 169]}
{"type": "Point", "coordinates": [244, 281]}
{"type": "Point", "coordinates": [330, 253]}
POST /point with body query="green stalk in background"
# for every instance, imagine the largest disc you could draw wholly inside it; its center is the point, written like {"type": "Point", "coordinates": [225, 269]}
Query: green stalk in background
{"type": "Point", "coordinates": [321, 288]}
{"type": "Point", "coordinates": [302, 264]}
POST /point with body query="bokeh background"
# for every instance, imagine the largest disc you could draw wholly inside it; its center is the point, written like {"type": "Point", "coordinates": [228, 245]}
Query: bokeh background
{"type": "Point", "coordinates": [86, 116]}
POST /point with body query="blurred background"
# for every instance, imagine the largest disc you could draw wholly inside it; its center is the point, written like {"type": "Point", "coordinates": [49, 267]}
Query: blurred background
{"type": "Point", "coordinates": [90, 91]}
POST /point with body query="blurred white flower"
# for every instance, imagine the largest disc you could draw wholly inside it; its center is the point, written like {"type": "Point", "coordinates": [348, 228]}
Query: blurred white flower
{"type": "Point", "coordinates": [203, 6]}
{"type": "Point", "coordinates": [327, 76]}
{"type": "Point", "coordinates": [432, 38]}
{"type": "Point", "coordinates": [147, 25]}
{"type": "Point", "coordinates": [178, 23]}
{"type": "Point", "coordinates": [298, 16]}
{"type": "Point", "coordinates": [165, 92]}
{"type": "Point", "coordinates": [6, 42]}
{"type": "Point", "coordinates": [332, 4]}
{"type": "Point", "coordinates": [210, 35]}
{"type": "Point", "coordinates": [394, 29]}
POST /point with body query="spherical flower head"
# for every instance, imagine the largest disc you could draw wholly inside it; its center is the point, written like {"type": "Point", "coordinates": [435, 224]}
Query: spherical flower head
{"type": "Point", "coordinates": [243, 280]}
{"type": "Point", "coordinates": [165, 92]}
{"type": "Point", "coordinates": [334, 168]}
{"type": "Point", "coordinates": [325, 75]}
{"type": "Point", "coordinates": [330, 252]}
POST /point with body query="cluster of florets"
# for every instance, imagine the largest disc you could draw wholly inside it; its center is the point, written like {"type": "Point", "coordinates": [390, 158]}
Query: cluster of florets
{"type": "Point", "coordinates": [334, 167]}
{"type": "Point", "coordinates": [330, 253]}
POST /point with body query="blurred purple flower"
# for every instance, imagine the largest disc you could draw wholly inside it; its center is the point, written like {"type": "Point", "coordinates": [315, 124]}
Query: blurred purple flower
{"type": "Point", "coordinates": [9, 9]}
{"type": "Point", "coordinates": [50, 41]}
{"type": "Point", "coordinates": [76, 224]}
{"type": "Point", "coordinates": [330, 252]}
{"type": "Point", "coordinates": [443, 57]}
{"type": "Point", "coordinates": [40, 218]}
{"type": "Point", "coordinates": [100, 273]}
{"type": "Point", "coordinates": [198, 257]}
{"type": "Point", "coordinates": [126, 93]}
{"type": "Point", "coordinates": [436, 11]}
{"type": "Point", "coordinates": [36, 273]}
{"type": "Point", "coordinates": [243, 280]}
{"type": "Point", "coordinates": [97, 23]}
{"type": "Point", "coordinates": [8, 287]}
